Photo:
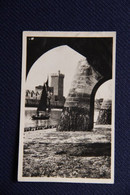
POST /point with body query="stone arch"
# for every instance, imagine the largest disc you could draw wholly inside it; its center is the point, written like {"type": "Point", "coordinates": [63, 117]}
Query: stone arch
{"type": "Point", "coordinates": [51, 62]}
{"type": "Point", "coordinates": [92, 99]}
{"type": "Point", "coordinates": [79, 104]}
{"type": "Point", "coordinates": [98, 52]}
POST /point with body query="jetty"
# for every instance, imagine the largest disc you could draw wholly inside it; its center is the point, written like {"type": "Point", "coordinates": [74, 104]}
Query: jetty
{"type": "Point", "coordinates": [39, 128]}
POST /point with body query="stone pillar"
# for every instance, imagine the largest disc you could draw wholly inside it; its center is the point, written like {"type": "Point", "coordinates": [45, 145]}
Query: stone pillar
{"type": "Point", "coordinates": [104, 117]}
{"type": "Point", "coordinates": [76, 113]}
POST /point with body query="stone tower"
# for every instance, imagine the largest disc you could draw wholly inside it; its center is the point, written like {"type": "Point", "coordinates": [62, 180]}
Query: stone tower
{"type": "Point", "coordinates": [104, 116]}
{"type": "Point", "coordinates": [57, 82]}
{"type": "Point", "coordinates": [77, 106]}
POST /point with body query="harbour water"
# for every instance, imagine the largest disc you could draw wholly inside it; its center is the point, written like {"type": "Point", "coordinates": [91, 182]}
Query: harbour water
{"type": "Point", "coordinates": [53, 120]}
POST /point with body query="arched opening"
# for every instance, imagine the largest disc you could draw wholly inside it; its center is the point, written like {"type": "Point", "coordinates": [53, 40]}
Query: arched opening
{"type": "Point", "coordinates": [57, 66]}
{"type": "Point", "coordinates": [102, 104]}
{"type": "Point", "coordinates": [60, 58]}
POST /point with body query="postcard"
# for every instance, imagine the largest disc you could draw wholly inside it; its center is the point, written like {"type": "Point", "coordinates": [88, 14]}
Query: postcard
{"type": "Point", "coordinates": [67, 110]}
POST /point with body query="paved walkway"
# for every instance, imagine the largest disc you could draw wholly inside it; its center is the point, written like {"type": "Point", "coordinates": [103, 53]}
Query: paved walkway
{"type": "Point", "coordinates": [100, 134]}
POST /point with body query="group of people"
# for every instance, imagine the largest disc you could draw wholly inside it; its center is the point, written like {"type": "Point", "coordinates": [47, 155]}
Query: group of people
{"type": "Point", "coordinates": [73, 120]}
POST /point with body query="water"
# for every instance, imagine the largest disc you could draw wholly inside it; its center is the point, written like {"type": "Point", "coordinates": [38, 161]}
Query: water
{"type": "Point", "coordinates": [53, 120]}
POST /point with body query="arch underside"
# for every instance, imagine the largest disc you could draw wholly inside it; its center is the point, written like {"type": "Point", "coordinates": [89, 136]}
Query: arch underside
{"type": "Point", "coordinates": [92, 100]}
{"type": "Point", "coordinates": [98, 52]}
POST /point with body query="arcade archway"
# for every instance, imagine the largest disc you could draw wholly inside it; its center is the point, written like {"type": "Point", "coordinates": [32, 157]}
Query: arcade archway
{"type": "Point", "coordinates": [102, 100]}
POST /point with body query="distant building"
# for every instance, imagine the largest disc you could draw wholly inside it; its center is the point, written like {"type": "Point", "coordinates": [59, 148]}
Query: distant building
{"type": "Point", "coordinates": [28, 94]}
{"type": "Point", "coordinates": [39, 88]}
{"type": "Point", "coordinates": [57, 83]}
{"type": "Point", "coordinates": [55, 92]}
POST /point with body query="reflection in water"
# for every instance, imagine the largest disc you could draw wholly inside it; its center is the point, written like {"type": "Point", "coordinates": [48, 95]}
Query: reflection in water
{"type": "Point", "coordinates": [53, 120]}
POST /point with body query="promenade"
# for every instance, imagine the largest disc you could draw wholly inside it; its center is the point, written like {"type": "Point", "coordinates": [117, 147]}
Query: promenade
{"type": "Point", "coordinates": [68, 154]}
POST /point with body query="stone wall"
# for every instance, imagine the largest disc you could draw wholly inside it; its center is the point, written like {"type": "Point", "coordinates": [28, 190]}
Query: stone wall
{"type": "Point", "coordinates": [76, 114]}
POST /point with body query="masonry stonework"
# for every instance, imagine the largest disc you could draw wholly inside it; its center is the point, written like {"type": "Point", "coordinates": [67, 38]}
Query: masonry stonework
{"type": "Point", "coordinates": [76, 114]}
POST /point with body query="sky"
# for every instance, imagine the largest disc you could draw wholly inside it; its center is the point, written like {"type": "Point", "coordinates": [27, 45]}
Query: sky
{"type": "Point", "coordinates": [105, 91]}
{"type": "Point", "coordinates": [66, 60]}
{"type": "Point", "coordinates": [61, 58]}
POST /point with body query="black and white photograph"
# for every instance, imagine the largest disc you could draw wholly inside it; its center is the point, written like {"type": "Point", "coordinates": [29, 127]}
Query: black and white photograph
{"type": "Point", "coordinates": [67, 111]}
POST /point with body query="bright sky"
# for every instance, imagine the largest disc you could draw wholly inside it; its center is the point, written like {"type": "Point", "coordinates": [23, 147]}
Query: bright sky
{"type": "Point", "coordinates": [65, 59]}
{"type": "Point", "coordinates": [61, 58]}
{"type": "Point", "coordinates": [105, 91]}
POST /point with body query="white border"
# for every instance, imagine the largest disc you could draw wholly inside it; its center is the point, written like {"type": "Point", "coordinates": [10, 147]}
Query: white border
{"type": "Point", "coordinates": [24, 53]}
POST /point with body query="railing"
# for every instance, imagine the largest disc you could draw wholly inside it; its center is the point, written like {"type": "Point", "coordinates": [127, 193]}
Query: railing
{"type": "Point", "coordinates": [39, 128]}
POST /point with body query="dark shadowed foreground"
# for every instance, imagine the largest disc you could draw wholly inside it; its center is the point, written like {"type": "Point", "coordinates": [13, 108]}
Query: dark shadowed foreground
{"type": "Point", "coordinates": [48, 153]}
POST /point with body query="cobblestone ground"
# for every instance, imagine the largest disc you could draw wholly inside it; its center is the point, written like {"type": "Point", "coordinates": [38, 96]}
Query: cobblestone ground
{"type": "Point", "coordinates": [67, 154]}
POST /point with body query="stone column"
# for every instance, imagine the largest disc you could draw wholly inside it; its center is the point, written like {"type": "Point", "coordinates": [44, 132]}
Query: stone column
{"type": "Point", "coordinates": [104, 117]}
{"type": "Point", "coordinates": [76, 112]}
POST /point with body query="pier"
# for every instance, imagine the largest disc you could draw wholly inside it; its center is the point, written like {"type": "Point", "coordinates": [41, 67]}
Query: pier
{"type": "Point", "coordinates": [39, 128]}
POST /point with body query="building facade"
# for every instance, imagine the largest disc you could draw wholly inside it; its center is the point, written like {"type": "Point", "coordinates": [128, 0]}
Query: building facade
{"type": "Point", "coordinates": [57, 84]}
{"type": "Point", "coordinates": [55, 92]}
